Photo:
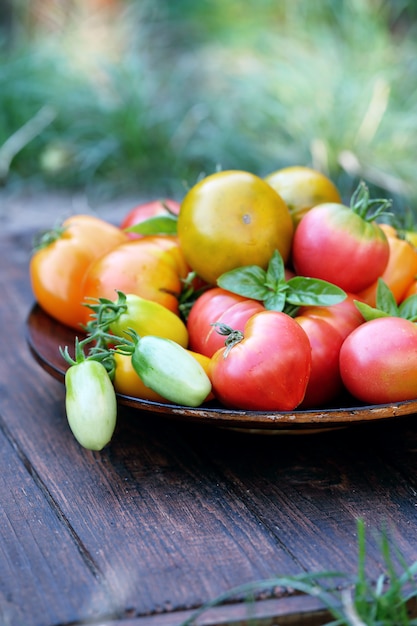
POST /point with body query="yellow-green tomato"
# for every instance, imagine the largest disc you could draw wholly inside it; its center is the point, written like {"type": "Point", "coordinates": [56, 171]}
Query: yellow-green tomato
{"type": "Point", "coordinates": [230, 219]}
{"type": "Point", "coordinates": [302, 188]}
{"type": "Point", "coordinates": [90, 404]}
{"type": "Point", "coordinates": [147, 317]}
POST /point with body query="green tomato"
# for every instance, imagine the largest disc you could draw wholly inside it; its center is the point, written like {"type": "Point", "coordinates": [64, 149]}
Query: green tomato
{"type": "Point", "coordinates": [90, 404]}
{"type": "Point", "coordinates": [169, 369]}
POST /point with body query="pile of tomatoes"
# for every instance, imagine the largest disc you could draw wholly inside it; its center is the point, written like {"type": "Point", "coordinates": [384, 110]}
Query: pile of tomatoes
{"type": "Point", "coordinates": [246, 266]}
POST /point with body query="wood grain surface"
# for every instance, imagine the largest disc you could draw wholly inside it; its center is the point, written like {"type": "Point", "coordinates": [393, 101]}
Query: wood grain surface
{"type": "Point", "coordinates": [172, 514]}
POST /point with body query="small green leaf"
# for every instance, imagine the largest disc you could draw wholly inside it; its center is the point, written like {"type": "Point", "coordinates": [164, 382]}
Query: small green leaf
{"type": "Point", "coordinates": [306, 291]}
{"type": "Point", "coordinates": [275, 301]}
{"type": "Point", "coordinates": [368, 312]}
{"type": "Point", "coordinates": [408, 308]}
{"type": "Point", "coordinates": [275, 274]}
{"type": "Point", "coordinates": [385, 300]}
{"type": "Point", "coordinates": [158, 225]}
{"type": "Point", "coordinates": [247, 281]}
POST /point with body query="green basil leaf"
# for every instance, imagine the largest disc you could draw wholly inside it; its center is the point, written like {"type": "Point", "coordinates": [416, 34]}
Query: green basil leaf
{"type": "Point", "coordinates": [275, 274]}
{"type": "Point", "coordinates": [247, 281]}
{"type": "Point", "coordinates": [158, 225]}
{"type": "Point", "coordinates": [369, 312]}
{"type": "Point", "coordinates": [385, 300]}
{"type": "Point", "coordinates": [306, 291]}
{"type": "Point", "coordinates": [275, 301]}
{"type": "Point", "coordinates": [408, 308]}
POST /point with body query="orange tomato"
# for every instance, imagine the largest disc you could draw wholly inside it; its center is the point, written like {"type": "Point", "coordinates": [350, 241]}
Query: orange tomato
{"type": "Point", "coordinates": [151, 267]}
{"type": "Point", "coordinates": [400, 271]}
{"type": "Point", "coordinates": [58, 266]}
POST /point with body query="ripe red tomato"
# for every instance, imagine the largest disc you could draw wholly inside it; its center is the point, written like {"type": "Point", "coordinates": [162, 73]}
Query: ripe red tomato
{"type": "Point", "coordinates": [58, 267]}
{"type": "Point", "coordinates": [344, 316]}
{"type": "Point", "coordinates": [217, 305]}
{"type": "Point", "coordinates": [334, 243]}
{"type": "Point", "coordinates": [325, 382]}
{"type": "Point", "coordinates": [267, 369]}
{"type": "Point", "coordinates": [152, 267]}
{"type": "Point", "coordinates": [146, 210]}
{"type": "Point", "coordinates": [378, 361]}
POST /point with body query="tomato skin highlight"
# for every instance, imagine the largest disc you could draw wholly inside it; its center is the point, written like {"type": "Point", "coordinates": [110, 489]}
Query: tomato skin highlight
{"type": "Point", "coordinates": [217, 306]}
{"type": "Point", "coordinates": [57, 270]}
{"type": "Point", "coordinates": [268, 370]}
{"type": "Point", "coordinates": [378, 361]}
{"type": "Point", "coordinates": [335, 244]}
{"type": "Point", "coordinates": [232, 218]}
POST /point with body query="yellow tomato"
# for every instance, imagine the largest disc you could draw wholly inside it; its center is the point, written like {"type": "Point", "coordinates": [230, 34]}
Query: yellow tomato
{"type": "Point", "coordinates": [302, 188]}
{"type": "Point", "coordinates": [147, 317]}
{"type": "Point", "coordinates": [128, 383]}
{"type": "Point", "coordinates": [230, 219]}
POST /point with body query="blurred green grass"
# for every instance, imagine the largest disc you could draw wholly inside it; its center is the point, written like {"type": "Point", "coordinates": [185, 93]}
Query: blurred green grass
{"type": "Point", "coordinates": [166, 92]}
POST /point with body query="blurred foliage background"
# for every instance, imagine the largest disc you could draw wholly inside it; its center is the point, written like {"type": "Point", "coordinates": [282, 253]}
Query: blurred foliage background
{"type": "Point", "coordinates": [146, 96]}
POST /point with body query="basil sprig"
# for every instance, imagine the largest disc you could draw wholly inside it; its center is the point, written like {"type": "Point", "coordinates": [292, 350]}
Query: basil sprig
{"type": "Point", "coordinates": [275, 291]}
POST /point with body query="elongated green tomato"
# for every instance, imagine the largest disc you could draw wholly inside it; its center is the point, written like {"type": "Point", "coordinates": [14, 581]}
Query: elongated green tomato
{"type": "Point", "coordinates": [167, 368]}
{"type": "Point", "coordinates": [147, 317]}
{"type": "Point", "coordinates": [90, 404]}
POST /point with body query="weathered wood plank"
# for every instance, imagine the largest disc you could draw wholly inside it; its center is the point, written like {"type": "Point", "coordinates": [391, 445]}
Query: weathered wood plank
{"type": "Point", "coordinates": [170, 515]}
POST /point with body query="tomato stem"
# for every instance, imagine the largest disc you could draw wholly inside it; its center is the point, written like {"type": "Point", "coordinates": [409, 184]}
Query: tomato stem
{"type": "Point", "coordinates": [233, 337]}
{"type": "Point", "coordinates": [47, 237]}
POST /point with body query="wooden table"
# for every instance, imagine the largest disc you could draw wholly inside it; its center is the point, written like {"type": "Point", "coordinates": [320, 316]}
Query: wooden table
{"type": "Point", "coordinates": [171, 515]}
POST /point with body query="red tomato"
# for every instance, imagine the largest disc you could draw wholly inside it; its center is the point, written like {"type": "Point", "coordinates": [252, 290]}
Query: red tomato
{"type": "Point", "coordinates": [344, 317]}
{"type": "Point", "coordinates": [334, 243]}
{"type": "Point", "coordinates": [57, 268]}
{"type": "Point", "coordinates": [152, 267]}
{"type": "Point", "coordinates": [378, 361]}
{"type": "Point", "coordinates": [325, 382]}
{"type": "Point", "coordinates": [268, 369]}
{"type": "Point", "coordinates": [217, 305]}
{"type": "Point", "coordinates": [144, 211]}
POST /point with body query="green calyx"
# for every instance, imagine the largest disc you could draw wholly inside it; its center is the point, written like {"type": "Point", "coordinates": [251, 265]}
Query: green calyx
{"type": "Point", "coordinates": [105, 312]}
{"type": "Point", "coordinates": [47, 237]}
{"type": "Point", "coordinates": [386, 305]}
{"type": "Point", "coordinates": [233, 337]}
{"type": "Point", "coordinates": [368, 209]}
{"type": "Point", "coordinates": [99, 344]}
{"type": "Point", "coordinates": [271, 287]}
